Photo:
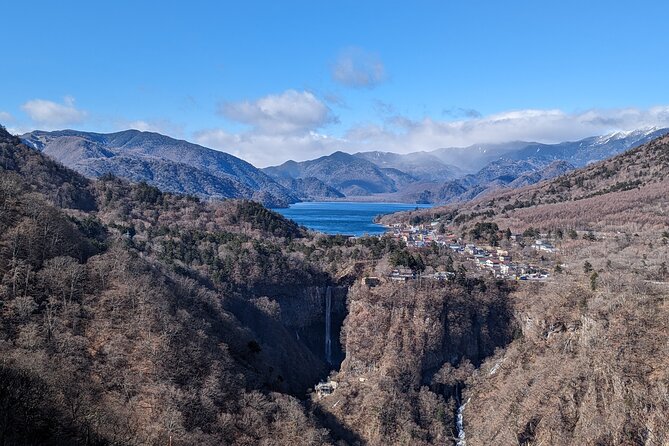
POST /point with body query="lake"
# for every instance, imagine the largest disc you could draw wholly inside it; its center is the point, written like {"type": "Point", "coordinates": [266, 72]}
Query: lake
{"type": "Point", "coordinates": [339, 217]}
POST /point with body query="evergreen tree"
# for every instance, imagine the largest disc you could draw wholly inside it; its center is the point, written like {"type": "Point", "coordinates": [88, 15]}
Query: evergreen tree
{"type": "Point", "coordinates": [593, 281]}
{"type": "Point", "coordinates": [587, 267]}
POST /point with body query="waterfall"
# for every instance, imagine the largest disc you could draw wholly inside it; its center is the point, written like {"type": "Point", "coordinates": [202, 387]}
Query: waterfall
{"type": "Point", "coordinates": [460, 425]}
{"type": "Point", "coordinates": [328, 321]}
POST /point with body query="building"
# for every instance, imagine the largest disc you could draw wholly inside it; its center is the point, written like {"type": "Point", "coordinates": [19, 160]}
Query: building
{"type": "Point", "coordinates": [325, 389]}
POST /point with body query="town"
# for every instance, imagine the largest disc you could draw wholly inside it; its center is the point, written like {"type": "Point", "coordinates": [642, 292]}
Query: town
{"type": "Point", "coordinates": [496, 260]}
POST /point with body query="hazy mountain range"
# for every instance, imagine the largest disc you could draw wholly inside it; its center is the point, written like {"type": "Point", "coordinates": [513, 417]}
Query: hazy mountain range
{"type": "Point", "coordinates": [457, 174]}
{"type": "Point", "coordinates": [440, 176]}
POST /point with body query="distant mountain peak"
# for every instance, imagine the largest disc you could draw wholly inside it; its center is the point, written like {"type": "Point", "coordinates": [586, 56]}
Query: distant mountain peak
{"type": "Point", "coordinates": [173, 165]}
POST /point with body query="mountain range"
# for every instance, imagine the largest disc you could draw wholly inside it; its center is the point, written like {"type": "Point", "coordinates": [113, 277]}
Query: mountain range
{"type": "Point", "coordinates": [450, 175]}
{"type": "Point", "coordinates": [445, 175]}
{"type": "Point", "coordinates": [170, 164]}
{"type": "Point", "coordinates": [131, 316]}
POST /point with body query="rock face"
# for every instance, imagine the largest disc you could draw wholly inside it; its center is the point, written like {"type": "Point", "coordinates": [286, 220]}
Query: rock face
{"type": "Point", "coordinates": [438, 325]}
{"type": "Point", "coordinates": [169, 164]}
{"type": "Point", "coordinates": [304, 313]}
{"type": "Point", "coordinates": [408, 347]}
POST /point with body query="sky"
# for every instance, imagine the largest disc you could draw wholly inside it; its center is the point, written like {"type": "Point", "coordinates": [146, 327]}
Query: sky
{"type": "Point", "coordinates": [278, 80]}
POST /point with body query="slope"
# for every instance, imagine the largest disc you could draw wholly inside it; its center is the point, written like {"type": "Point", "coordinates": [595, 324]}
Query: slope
{"type": "Point", "coordinates": [421, 165]}
{"type": "Point", "coordinates": [350, 175]}
{"type": "Point", "coordinates": [157, 159]}
{"type": "Point", "coordinates": [588, 363]}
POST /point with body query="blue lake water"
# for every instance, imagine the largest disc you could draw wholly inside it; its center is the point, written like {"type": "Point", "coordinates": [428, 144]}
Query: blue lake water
{"type": "Point", "coordinates": [338, 217]}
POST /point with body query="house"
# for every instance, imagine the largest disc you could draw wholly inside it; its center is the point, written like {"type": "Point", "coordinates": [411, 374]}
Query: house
{"type": "Point", "coordinates": [548, 248]}
{"type": "Point", "coordinates": [325, 388]}
{"type": "Point", "coordinates": [455, 247]}
{"type": "Point", "coordinates": [506, 268]}
{"type": "Point", "coordinates": [541, 245]}
{"type": "Point", "coordinates": [402, 275]}
{"type": "Point", "coordinates": [441, 275]}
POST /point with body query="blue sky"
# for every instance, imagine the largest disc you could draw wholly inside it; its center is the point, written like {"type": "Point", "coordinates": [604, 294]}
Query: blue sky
{"type": "Point", "coordinates": [269, 81]}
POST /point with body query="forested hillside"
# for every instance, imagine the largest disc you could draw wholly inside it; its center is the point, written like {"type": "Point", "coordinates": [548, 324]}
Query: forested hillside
{"type": "Point", "coordinates": [589, 362]}
{"type": "Point", "coordinates": [170, 164]}
{"type": "Point", "coordinates": [111, 336]}
{"type": "Point", "coordinates": [348, 174]}
{"type": "Point", "coordinates": [134, 316]}
{"type": "Point", "coordinates": [628, 190]}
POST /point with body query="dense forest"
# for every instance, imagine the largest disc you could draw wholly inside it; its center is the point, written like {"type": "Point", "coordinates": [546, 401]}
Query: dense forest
{"type": "Point", "coordinates": [131, 316]}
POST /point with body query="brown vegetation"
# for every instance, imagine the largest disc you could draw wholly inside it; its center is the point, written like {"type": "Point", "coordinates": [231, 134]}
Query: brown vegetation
{"type": "Point", "coordinates": [591, 365]}
{"type": "Point", "coordinates": [129, 316]}
{"type": "Point", "coordinates": [408, 348]}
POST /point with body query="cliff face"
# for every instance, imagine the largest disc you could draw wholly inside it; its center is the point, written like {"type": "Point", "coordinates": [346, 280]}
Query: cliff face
{"type": "Point", "coordinates": [589, 366]}
{"type": "Point", "coordinates": [430, 323]}
{"type": "Point", "coordinates": [406, 347]}
{"type": "Point", "coordinates": [305, 315]}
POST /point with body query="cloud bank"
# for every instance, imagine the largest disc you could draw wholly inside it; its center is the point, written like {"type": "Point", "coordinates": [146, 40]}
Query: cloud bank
{"type": "Point", "coordinates": [290, 112]}
{"type": "Point", "coordinates": [403, 135]}
{"type": "Point", "coordinates": [52, 114]}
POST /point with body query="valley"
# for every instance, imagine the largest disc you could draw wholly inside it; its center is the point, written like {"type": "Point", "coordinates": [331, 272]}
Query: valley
{"type": "Point", "coordinates": [334, 223]}
{"type": "Point", "coordinates": [147, 317]}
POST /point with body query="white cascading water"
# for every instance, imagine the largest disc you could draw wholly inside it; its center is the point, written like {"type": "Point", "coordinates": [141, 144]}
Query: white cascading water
{"type": "Point", "coordinates": [328, 319]}
{"type": "Point", "coordinates": [460, 425]}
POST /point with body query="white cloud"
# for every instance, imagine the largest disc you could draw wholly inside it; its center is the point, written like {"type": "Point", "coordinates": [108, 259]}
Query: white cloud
{"type": "Point", "coordinates": [358, 68]}
{"type": "Point", "coordinates": [264, 150]}
{"type": "Point", "coordinates": [402, 135]}
{"type": "Point", "coordinates": [291, 112]}
{"type": "Point", "coordinates": [5, 117]}
{"type": "Point", "coordinates": [52, 114]}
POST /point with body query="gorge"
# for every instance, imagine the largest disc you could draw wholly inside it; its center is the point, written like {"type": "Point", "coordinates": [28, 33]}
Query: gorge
{"type": "Point", "coordinates": [160, 316]}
